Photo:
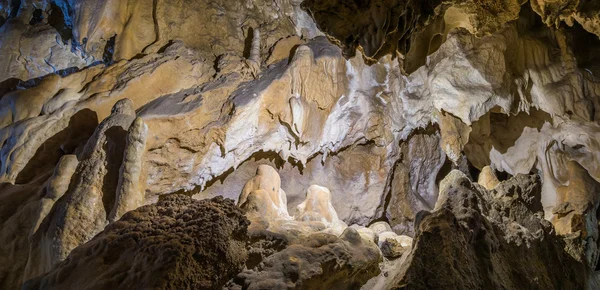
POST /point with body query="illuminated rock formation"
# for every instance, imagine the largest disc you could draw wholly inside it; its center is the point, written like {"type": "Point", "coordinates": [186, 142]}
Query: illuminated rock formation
{"type": "Point", "coordinates": [337, 127]}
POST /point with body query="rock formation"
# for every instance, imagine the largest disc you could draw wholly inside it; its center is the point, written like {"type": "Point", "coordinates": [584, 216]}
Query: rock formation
{"type": "Point", "coordinates": [371, 135]}
{"type": "Point", "coordinates": [177, 243]}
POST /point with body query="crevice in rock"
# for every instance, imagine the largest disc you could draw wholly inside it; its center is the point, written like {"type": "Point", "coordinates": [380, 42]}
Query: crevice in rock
{"type": "Point", "coordinates": [15, 6]}
{"type": "Point", "coordinates": [446, 168]}
{"type": "Point", "coordinates": [585, 47]}
{"type": "Point", "coordinates": [109, 50]}
{"type": "Point", "coordinates": [60, 18]}
{"type": "Point", "coordinates": [248, 43]}
{"type": "Point", "coordinates": [114, 148]}
{"type": "Point", "coordinates": [8, 86]}
{"type": "Point", "coordinates": [257, 156]}
{"type": "Point", "coordinates": [164, 47]}
{"type": "Point", "coordinates": [500, 131]}
{"type": "Point", "coordinates": [376, 28]}
{"type": "Point", "coordinates": [473, 171]}
{"type": "Point", "coordinates": [389, 193]}
{"type": "Point", "coordinates": [13, 84]}
{"type": "Point", "coordinates": [37, 17]}
{"type": "Point", "coordinates": [155, 21]}
{"type": "Point", "coordinates": [502, 175]}
{"type": "Point", "coordinates": [81, 127]}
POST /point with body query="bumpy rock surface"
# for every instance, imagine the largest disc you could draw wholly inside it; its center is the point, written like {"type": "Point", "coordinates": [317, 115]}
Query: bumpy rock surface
{"type": "Point", "coordinates": [376, 101]}
{"type": "Point", "coordinates": [313, 249]}
{"type": "Point", "coordinates": [320, 261]}
{"type": "Point", "coordinates": [178, 243]}
{"type": "Point", "coordinates": [478, 239]}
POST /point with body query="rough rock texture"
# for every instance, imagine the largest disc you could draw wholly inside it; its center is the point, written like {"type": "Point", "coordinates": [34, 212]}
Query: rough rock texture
{"type": "Point", "coordinates": [414, 184]}
{"type": "Point", "coordinates": [40, 258]}
{"type": "Point", "coordinates": [35, 37]}
{"type": "Point", "coordinates": [18, 212]}
{"type": "Point", "coordinates": [313, 249]}
{"type": "Point", "coordinates": [178, 243]}
{"type": "Point", "coordinates": [84, 208]}
{"type": "Point", "coordinates": [490, 240]}
{"type": "Point", "coordinates": [585, 13]}
{"type": "Point", "coordinates": [377, 101]}
{"type": "Point", "coordinates": [393, 245]}
{"type": "Point", "coordinates": [321, 261]}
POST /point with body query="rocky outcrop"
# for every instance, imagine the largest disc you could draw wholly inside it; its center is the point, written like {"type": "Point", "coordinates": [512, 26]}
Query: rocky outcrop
{"type": "Point", "coordinates": [314, 249]}
{"type": "Point", "coordinates": [318, 261]}
{"type": "Point", "coordinates": [414, 181]}
{"type": "Point", "coordinates": [178, 243]}
{"type": "Point", "coordinates": [130, 188]}
{"type": "Point", "coordinates": [490, 240]}
{"type": "Point", "coordinates": [584, 13]}
{"type": "Point", "coordinates": [82, 212]}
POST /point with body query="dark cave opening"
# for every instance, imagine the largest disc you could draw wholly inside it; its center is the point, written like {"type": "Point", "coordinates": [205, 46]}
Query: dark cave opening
{"type": "Point", "coordinates": [586, 48]}
{"type": "Point", "coordinates": [37, 17]}
{"type": "Point", "coordinates": [68, 141]}
{"type": "Point", "coordinates": [15, 6]}
{"type": "Point", "coordinates": [60, 18]}
{"type": "Point", "coordinates": [248, 43]}
{"type": "Point", "coordinates": [109, 50]}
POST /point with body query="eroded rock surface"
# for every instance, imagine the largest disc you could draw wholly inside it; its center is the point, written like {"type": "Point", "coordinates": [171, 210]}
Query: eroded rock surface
{"type": "Point", "coordinates": [178, 243]}
{"type": "Point", "coordinates": [483, 238]}
{"type": "Point", "coordinates": [334, 119]}
{"type": "Point", "coordinates": [314, 249]}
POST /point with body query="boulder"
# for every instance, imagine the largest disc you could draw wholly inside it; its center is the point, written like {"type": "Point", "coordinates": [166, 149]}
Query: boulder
{"type": "Point", "coordinates": [393, 245]}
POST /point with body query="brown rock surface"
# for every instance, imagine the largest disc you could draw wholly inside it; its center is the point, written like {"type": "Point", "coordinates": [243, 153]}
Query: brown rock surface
{"type": "Point", "coordinates": [319, 261]}
{"type": "Point", "coordinates": [489, 240]}
{"type": "Point", "coordinates": [178, 243]}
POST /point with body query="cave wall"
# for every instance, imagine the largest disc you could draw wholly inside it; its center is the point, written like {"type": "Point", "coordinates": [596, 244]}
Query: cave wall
{"type": "Point", "coordinates": [377, 101]}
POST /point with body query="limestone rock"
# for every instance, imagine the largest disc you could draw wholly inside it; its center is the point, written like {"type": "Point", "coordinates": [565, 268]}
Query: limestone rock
{"type": "Point", "coordinates": [56, 187]}
{"type": "Point", "coordinates": [318, 64]}
{"type": "Point", "coordinates": [393, 245]}
{"type": "Point", "coordinates": [414, 29]}
{"type": "Point", "coordinates": [19, 211]}
{"type": "Point", "coordinates": [584, 13]}
{"type": "Point", "coordinates": [58, 105]}
{"type": "Point", "coordinates": [32, 52]}
{"type": "Point", "coordinates": [211, 27]}
{"type": "Point", "coordinates": [576, 210]}
{"type": "Point", "coordinates": [380, 227]}
{"type": "Point", "coordinates": [366, 233]}
{"type": "Point", "coordinates": [83, 210]}
{"type": "Point", "coordinates": [262, 197]}
{"type": "Point", "coordinates": [378, 111]}
{"type": "Point", "coordinates": [284, 49]}
{"type": "Point", "coordinates": [318, 207]}
{"type": "Point", "coordinates": [508, 229]}
{"type": "Point", "coordinates": [454, 136]}
{"type": "Point", "coordinates": [174, 244]}
{"type": "Point", "coordinates": [320, 261]}
{"type": "Point", "coordinates": [36, 40]}
{"type": "Point", "coordinates": [266, 179]}
{"type": "Point", "coordinates": [130, 188]}
{"type": "Point", "coordinates": [414, 185]}
{"type": "Point", "coordinates": [260, 206]}
{"type": "Point", "coordinates": [487, 178]}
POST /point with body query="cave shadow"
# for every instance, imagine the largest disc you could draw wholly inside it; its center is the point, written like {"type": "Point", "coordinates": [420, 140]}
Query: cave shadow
{"type": "Point", "coordinates": [68, 141]}
{"type": "Point", "coordinates": [115, 148]}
